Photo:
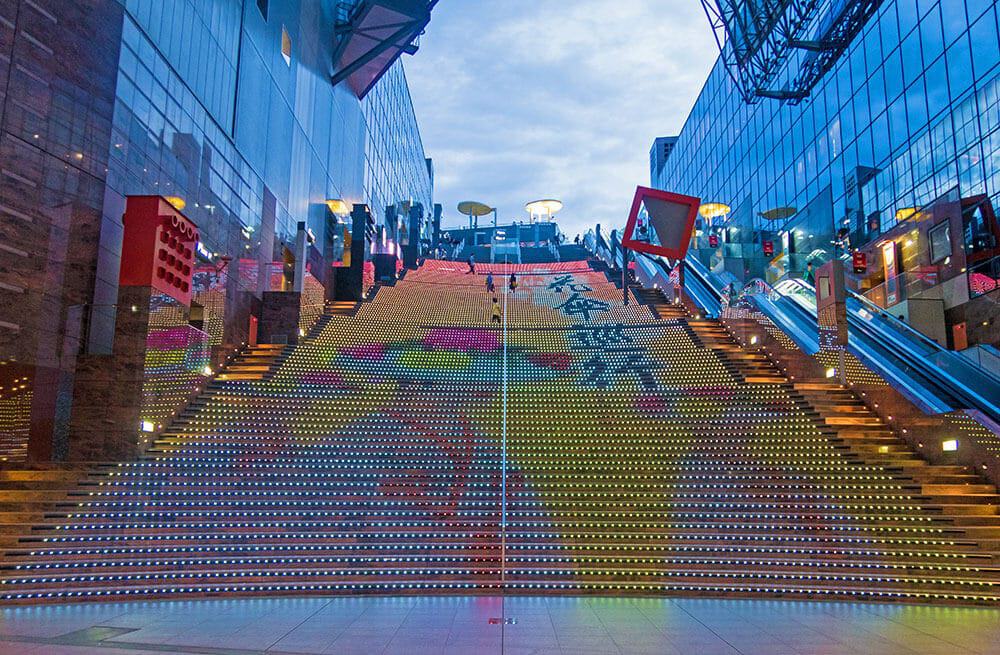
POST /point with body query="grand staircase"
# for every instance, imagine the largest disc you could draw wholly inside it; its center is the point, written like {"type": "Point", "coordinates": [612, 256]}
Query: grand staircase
{"type": "Point", "coordinates": [641, 450]}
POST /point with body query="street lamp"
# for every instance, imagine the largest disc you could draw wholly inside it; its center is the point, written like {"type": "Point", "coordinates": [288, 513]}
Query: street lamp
{"type": "Point", "coordinates": [545, 208]}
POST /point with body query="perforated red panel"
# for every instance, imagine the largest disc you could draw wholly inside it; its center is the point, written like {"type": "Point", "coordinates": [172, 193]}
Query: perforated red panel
{"type": "Point", "coordinates": [671, 217]}
{"type": "Point", "coordinates": [158, 248]}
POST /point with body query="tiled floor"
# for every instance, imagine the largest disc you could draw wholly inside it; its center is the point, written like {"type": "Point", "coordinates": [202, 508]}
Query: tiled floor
{"type": "Point", "coordinates": [414, 626]}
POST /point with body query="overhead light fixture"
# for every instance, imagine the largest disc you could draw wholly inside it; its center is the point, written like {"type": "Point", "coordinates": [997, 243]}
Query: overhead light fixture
{"type": "Point", "coordinates": [949, 445]}
{"type": "Point", "coordinates": [714, 209]}
{"type": "Point", "coordinates": [338, 207]}
{"type": "Point", "coordinates": [176, 202]}
{"type": "Point", "coordinates": [545, 207]}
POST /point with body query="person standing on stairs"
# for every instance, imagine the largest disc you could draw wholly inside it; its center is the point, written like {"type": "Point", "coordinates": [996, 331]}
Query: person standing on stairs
{"type": "Point", "coordinates": [513, 283]}
{"type": "Point", "coordinates": [496, 311]}
{"type": "Point", "coordinates": [490, 287]}
{"type": "Point", "coordinates": [472, 263]}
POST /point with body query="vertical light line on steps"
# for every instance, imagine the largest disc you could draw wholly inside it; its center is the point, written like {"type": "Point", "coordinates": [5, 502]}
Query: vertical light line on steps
{"type": "Point", "coordinates": [503, 466]}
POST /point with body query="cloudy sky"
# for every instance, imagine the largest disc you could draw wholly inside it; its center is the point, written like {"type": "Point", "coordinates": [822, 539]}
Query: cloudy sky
{"type": "Point", "coordinates": [524, 99]}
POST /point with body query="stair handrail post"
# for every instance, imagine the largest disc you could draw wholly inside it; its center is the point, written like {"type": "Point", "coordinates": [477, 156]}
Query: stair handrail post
{"type": "Point", "coordinates": [624, 276]}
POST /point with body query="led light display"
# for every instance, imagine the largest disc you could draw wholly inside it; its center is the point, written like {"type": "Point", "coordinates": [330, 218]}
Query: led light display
{"type": "Point", "coordinates": [646, 453]}
{"type": "Point", "coordinates": [175, 361]}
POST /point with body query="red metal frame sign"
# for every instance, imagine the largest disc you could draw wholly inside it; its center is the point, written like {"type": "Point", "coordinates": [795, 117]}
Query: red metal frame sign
{"type": "Point", "coordinates": [675, 250]}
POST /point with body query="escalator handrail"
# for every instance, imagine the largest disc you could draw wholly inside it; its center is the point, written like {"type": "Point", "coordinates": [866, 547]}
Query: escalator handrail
{"type": "Point", "coordinates": [883, 313]}
{"type": "Point", "coordinates": [805, 312]}
{"type": "Point", "coordinates": [921, 393]}
{"type": "Point", "coordinates": [895, 322]}
{"type": "Point", "coordinates": [716, 297]}
{"type": "Point", "coordinates": [769, 288]}
{"type": "Point", "coordinates": [601, 241]}
{"type": "Point", "coordinates": [934, 346]}
{"type": "Point", "coordinates": [696, 267]}
{"type": "Point", "coordinates": [931, 373]}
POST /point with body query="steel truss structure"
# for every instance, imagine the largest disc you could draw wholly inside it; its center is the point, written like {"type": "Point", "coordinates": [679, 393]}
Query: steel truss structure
{"type": "Point", "coordinates": [796, 41]}
{"type": "Point", "coordinates": [372, 34]}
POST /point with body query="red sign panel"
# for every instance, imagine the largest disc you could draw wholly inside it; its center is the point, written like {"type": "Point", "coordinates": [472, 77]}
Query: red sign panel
{"type": "Point", "coordinates": [158, 247]}
{"type": "Point", "coordinates": [860, 261]}
{"type": "Point", "coordinates": [713, 241]}
{"type": "Point", "coordinates": [671, 218]}
{"type": "Point", "coordinates": [769, 248]}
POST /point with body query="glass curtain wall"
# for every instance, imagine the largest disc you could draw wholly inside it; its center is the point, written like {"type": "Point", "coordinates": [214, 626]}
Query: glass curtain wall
{"type": "Point", "coordinates": [910, 112]}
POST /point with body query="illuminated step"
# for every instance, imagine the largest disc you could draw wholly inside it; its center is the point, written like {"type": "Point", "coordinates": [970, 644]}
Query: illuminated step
{"type": "Point", "coordinates": [712, 587]}
{"type": "Point", "coordinates": [965, 579]}
{"type": "Point", "coordinates": [348, 472]}
{"type": "Point", "coordinates": [547, 548]}
{"type": "Point", "coordinates": [374, 559]}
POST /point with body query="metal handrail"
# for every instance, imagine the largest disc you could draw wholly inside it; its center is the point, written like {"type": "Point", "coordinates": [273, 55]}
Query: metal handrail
{"type": "Point", "coordinates": [930, 349]}
{"type": "Point", "coordinates": [759, 282]}
{"type": "Point", "coordinates": [879, 311]}
{"type": "Point", "coordinates": [895, 322]}
{"type": "Point", "coordinates": [699, 270]}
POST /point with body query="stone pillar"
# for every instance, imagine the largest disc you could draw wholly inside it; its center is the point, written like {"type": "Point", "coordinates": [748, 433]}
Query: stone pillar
{"type": "Point", "coordinates": [301, 244]}
{"type": "Point", "coordinates": [831, 312]}
{"type": "Point", "coordinates": [123, 399]}
{"type": "Point", "coordinates": [279, 317]}
{"type": "Point", "coordinates": [385, 268]}
{"type": "Point", "coordinates": [831, 304]}
{"type": "Point", "coordinates": [350, 280]}
{"type": "Point", "coordinates": [411, 252]}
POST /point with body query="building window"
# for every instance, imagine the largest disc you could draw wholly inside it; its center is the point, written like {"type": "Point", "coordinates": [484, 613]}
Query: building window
{"type": "Point", "coordinates": [286, 46]}
{"type": "Point", "coordinates": [262, 5]}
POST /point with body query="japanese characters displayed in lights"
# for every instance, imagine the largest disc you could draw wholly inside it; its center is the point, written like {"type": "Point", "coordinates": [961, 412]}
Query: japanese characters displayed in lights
{"type": "Point", "coordinates": [636, 456]}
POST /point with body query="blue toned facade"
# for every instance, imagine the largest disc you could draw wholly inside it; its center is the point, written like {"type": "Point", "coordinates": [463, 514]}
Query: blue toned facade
{"type": "Point", "coordinates": [230, 109]}
{"type": "Point", "coordinates": [396, 170]}
{"type": "Point", "coordinates": [229, 105]}
{"type": "Point", "coordinates": [896, 148]}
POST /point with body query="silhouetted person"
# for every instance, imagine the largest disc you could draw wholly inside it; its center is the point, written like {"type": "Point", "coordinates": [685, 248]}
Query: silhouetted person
{"type": "Point", "coordinates": [472, 263]}
{"type": "Point", "coordinates": [513, 282]}
{"type": "Point", "coordinates": [490, 287]}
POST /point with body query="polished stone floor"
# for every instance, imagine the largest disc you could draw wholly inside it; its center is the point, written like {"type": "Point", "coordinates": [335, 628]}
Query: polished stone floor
{"type": "Point", "coordinates": [414, 626]}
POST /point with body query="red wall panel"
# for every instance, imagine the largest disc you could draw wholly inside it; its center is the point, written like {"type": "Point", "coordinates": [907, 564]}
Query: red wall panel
{"type": "Point", "coordinates": [159, 247]}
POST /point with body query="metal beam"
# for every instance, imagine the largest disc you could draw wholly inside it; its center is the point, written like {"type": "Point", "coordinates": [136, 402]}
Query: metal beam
{"type": "Point", "coordinates": [360, 24]}
{"type": "Point", "coordinates": [757, 38]}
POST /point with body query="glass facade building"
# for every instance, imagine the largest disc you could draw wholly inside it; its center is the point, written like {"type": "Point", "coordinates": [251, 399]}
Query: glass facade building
{"type": "Point", "coordinates": [900, 138]}
{"type": "Point", "coordinates": [396, 171]}
{"type": "Point", "coordinates": [225, 107]}
{"type": "Point", "coordinates": [255, 151]}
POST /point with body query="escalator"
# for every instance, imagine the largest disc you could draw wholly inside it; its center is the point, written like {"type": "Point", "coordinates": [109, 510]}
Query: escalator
{"type": "Point", "coordinates": [934, 378]}
{"type": "Point", "coordinates": [698, 285]}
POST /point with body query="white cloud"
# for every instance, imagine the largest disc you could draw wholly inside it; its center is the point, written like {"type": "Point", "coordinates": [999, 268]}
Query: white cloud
{"type": "Point", "coordinates": [558, 98]}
